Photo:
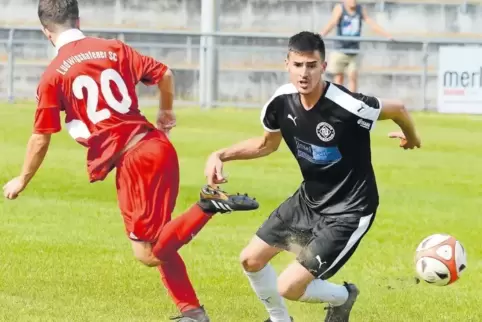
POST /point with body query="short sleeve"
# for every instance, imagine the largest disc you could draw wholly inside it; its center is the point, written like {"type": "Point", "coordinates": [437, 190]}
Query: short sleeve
{"type": "Point", "coordinates": [269, 115]}
{"type": "Point", "coordinates": [370, 108]}
{"type": "Point", "coordinates": [270, 111]}
{"type": "Point", "coordinates": [47, 115]}
{"type": "Point", "coordinates": [145, 68]}
{"type": "Point", "coordinates": [364, 109]}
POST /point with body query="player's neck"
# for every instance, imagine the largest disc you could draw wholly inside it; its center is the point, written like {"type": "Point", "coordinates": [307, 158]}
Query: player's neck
{"type": "Point", "coordinates": [309, 100]}
{"type": "Point", "coordinates": [350, 9]}
{"type": "Point", "coordinates": [56, 37]}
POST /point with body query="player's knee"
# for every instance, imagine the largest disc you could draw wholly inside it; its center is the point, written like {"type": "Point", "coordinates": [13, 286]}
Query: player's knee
{"type": "Point", "coordinates": [250, 263]}
{"type": "Point", "coordinates": [150, 262]}
{"type": "Point", "coordinates": [148, 259]}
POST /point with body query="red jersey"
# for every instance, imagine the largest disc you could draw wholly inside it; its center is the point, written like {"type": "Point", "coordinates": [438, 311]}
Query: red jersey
{"type": "Point", "coordinates": [94, 82]}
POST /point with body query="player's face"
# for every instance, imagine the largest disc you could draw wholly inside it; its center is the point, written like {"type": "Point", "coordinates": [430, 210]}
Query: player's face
{"type": "Point", "coordinates": [306, 70]}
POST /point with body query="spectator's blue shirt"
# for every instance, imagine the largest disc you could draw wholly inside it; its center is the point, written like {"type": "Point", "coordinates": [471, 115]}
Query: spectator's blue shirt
{"type": "Point", "coordinates": [349, 25]}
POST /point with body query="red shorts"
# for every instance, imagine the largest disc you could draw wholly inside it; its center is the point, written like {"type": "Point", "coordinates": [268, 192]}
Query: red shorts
{"type": "Point", "coordinates": [147, 183]}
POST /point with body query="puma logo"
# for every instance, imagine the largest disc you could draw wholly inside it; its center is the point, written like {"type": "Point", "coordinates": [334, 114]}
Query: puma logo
{"type": "Point", "coordinates": [318, 258]}
{"type": "Point", "coordinates": [266, 300]}
{"type": "Point", "coordinates": [292, 118]}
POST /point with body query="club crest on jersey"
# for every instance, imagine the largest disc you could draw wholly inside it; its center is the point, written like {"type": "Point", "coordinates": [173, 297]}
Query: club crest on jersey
{"type": "Point", "coordinates": [325, 132]}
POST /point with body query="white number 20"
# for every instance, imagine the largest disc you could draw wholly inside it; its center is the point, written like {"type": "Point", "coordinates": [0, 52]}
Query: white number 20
{"type": "Point", "coordinates": [106, 76]}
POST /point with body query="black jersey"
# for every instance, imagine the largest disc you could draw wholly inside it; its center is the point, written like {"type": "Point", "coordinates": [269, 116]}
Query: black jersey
{"type": "Point", "coordinates": [331, 143]}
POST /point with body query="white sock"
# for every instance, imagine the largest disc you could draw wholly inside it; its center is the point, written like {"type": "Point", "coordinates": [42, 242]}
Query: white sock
{"type": "Point", "coordinates": [322, 291]}
{"type": "Point", "coordinates": [265, 286]}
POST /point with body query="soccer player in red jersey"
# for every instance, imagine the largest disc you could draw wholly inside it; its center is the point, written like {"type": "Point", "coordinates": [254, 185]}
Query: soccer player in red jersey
{"type": "Point", "coordinates": [93, 82]}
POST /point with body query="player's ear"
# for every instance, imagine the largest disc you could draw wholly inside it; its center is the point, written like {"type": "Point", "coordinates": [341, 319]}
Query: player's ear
{"type": "Point", "coordinates": [47, 33]}
{"type": "Point", "coordinates": [287, 62]}
{"type": "Point", "coordinates": [323, 66]}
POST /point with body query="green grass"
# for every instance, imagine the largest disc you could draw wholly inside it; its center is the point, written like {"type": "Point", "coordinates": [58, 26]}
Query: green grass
{"type": "Point", "coordinates": [64, 255]}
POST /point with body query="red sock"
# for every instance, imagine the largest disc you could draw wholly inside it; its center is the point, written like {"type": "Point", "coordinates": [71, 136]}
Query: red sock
{"type": "Point", "coordinates": [175, 279]}
{"type": "Point", "coordinates": [179, 232]}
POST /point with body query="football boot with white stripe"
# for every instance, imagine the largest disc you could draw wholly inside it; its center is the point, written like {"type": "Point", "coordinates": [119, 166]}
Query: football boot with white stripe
{"type": "Point", "coordinates": [214, 200]}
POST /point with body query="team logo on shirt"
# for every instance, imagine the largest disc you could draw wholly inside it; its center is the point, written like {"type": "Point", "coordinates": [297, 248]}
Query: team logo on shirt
{"type": "Point", "coordinates": [325, 132]}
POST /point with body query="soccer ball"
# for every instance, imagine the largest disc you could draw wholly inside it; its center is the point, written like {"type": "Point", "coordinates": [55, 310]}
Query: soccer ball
{"type": "Point", "coordinates": [440, 259]}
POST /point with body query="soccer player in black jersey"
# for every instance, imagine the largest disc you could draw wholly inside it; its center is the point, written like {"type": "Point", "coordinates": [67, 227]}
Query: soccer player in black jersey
{"type": "Point", "coordinates": [327, 128]}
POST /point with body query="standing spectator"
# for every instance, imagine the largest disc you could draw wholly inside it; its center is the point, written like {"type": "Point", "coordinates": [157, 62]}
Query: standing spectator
{"type": "Point", "coordinates": [348, 17]}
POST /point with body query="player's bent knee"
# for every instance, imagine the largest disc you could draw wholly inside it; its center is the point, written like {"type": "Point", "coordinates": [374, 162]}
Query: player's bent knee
{"type": "Point", "coordinates": [251, 263]}
{"type": "Point", "coordinates": [143, 253]}
{"type": "Point", "coordinates": [148, 260]}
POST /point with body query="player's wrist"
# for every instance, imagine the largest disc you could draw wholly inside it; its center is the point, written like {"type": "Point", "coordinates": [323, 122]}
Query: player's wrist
{"type": "Point", "coordinates": [220, 155]}
{"type": "Point", "coordinates": [413, 137]}
{"type": "Point", "coordinates": [24, 179]}
{"type": "Point", "coordinates": [163, 109]}
{"type": "Point", "coordinates": [410, 134]}
{"type": "Point", "coordinates": [166, 107]}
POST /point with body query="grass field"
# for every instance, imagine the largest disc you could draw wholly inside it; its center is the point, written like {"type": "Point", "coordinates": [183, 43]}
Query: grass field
{"type": "Point", "coordinates": [64, 256]}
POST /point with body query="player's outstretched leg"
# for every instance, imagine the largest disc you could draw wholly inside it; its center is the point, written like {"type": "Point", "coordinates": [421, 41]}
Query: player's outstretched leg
{"type": "Point", "coordinates": [341, 313]}
{"type": "Point", "coordinates": [181, 230]}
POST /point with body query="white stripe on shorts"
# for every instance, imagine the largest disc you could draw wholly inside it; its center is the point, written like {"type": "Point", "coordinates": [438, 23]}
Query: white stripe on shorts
{"type": "Point", "coordinates": [357, 234]}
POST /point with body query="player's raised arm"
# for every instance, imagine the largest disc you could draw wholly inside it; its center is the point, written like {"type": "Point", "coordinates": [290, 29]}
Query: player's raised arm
{"type": "Point", "coordinates": [395, 110]}
{"type": "Point", "coordinates": [47, 122]}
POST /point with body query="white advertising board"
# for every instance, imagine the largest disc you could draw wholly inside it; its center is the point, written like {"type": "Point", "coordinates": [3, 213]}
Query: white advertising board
{"type": "Point", "coordinates": [460, 80]}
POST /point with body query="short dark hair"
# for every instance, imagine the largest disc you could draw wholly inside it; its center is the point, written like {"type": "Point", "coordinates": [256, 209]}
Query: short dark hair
{"type": "Point", "coordinates": [307, 41]}
{"type": "Point", "coordinates": [58, 13]}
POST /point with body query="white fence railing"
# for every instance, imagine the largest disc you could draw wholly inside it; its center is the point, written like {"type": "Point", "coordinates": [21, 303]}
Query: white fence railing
{"type": "Point", "coordinates": [234, 69]}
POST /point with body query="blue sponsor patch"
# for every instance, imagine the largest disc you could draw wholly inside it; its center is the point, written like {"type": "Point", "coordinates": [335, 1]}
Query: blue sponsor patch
{"type": "Point", "coordinates": [317, 154]}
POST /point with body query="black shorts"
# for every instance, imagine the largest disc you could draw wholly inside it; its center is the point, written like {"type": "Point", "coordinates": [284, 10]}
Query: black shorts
{"type": "Point", "coordinates": [323, 243]}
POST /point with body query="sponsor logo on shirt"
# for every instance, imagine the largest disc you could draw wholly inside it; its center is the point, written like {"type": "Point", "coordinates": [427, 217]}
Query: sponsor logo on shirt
{"type": "Point", "coordinates": [364, 124]}
{"type": "Point", "coordinates": [317, 154]}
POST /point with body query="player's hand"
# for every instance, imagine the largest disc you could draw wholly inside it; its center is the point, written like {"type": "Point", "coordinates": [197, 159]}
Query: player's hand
{"type": "Point", "coordinates": [166, 120]}
{"type": "Point", "coordinates": [214, 170]}
{"type": "Point", "coordinates": [13, 188]}
{"type": "Point", "coordinates": [405, 143]}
